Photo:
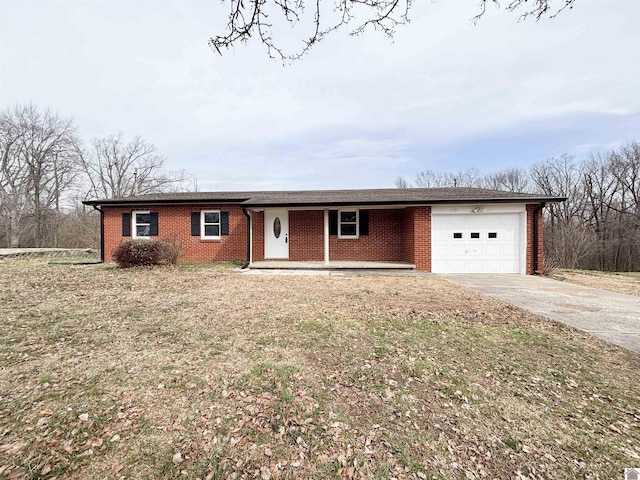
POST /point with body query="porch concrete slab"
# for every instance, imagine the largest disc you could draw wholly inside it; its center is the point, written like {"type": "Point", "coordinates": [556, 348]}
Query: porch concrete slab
{"type": "Point", "coordinates": [333, 265]}
{"type": "Point", "coordinates": [336, 273]}
{"type": "Point", "coordinates": [612, 316]}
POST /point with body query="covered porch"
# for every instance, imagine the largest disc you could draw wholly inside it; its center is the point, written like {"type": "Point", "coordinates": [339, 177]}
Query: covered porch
{"type": "Point", "coordinates": [331, 265]}
{"type": "Point", "coordinates": [378, 237]}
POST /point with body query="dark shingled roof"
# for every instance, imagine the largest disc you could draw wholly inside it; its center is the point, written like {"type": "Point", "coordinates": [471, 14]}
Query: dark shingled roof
{"type": "Point", "coordinates": [386, 196]}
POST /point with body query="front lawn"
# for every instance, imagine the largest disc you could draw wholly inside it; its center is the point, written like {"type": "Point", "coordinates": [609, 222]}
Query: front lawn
{"type": "Point", "coordinates": [620, 282]}
{"type": "Point", "coordinates": [208, 373]}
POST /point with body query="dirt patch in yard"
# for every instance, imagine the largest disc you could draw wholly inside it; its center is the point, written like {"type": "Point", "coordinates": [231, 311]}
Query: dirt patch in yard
{"type": "Point", "coordinates": [620, 282]}
{"type": "Point", "coordinates": [201, 372]}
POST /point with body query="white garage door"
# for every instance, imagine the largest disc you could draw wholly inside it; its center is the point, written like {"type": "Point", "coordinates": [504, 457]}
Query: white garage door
{"type": "Point", "coordinates": [475, 243]}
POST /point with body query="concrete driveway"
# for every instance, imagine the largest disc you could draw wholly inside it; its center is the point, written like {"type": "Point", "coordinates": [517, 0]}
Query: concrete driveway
{"type": "Point", "coordinates": [614, 317]}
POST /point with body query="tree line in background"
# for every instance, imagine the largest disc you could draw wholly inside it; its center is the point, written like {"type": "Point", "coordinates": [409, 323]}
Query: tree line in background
{"type": "Point", "coordinates": [46, 170]}
{"type": "Point", "coordinates": [597, 228]}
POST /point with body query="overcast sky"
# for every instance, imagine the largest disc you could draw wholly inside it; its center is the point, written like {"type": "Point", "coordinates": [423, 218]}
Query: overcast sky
{"type": "Point", "coordinates": [357, 112]}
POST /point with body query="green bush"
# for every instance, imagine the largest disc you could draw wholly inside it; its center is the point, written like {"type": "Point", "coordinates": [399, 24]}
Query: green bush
{"type": "Point", "coordinates": [137, 253]}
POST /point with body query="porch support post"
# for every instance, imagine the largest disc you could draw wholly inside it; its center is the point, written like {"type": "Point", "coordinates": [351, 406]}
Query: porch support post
{"type": "Point", "coordinates": [326, 236]}
{"type": "Point", "coordinates": [250, 237]}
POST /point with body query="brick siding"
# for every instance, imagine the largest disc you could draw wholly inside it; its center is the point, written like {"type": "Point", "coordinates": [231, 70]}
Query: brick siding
{"type": "Point", "coordinates": [306, 235]}
{"type": "Point", "coordinates": [530, 245]}
{"type": "Point", "coordinates": [383, 244]}
{"type": "Point", "coordinates": [174, 224]}
{"type": "Point", "coordinates": [257, 236]}
{"type": "Point", "coordinates": [416, 228]}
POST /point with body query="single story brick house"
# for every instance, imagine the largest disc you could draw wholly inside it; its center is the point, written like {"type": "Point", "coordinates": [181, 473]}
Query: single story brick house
{"type": "Point", "coordinates": [441, 230]}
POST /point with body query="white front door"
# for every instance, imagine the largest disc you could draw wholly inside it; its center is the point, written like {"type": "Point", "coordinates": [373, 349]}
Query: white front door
{"type": "Point", "coordinates": [475, 243]}
{"type": "Point", "coordinates": [276, 234]}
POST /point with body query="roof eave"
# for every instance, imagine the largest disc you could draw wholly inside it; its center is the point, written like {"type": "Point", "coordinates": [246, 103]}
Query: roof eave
{"type": "Point", "coordinates": [405, 202]}
{"type": "Point", "coordinates": [258, 204]}
{"type": "Point", "coordinates": [169, 201]}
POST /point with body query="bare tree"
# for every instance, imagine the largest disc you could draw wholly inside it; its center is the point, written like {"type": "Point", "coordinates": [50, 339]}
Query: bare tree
{"type": "Point", "coordinates": [257, 18]}
{"type": "Point", "coordinates": [38, 167]}
{"type": "Point", "coordinates": [601, 189]}
{"type": "Point", "coordinates": [570, 243]}
{"type": "Point", "coordinates": [42, 164]}
{"type": "Point", "coordinates": [561, 176]}
{"type": "Point", "coordinates": [13, 181]}
{"type": "Point", "coordinates": [115, 168]}
{"type": "Point", "coordinates": [510, 180]}
{"type": "Point", "coordinates": [401, 183]}
{"type": "Point", "coordinates": [470, 177]}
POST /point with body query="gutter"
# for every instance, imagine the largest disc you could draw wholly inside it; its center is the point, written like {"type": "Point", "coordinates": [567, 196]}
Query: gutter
{"type": "Point", "coordinates": [95, 207]}
{"type": "Point", "coordinates": [536, 234]}
{"type": "Point", "coordinates": [402, 202]}
{"type": "Point", "coordinates": [246, 214]}
{"type": "Point", "coordinates": [320, 203]}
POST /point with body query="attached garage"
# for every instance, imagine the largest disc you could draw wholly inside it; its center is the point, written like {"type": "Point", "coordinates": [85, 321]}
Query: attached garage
{"type": "Point", "coordinates": [478, 239]}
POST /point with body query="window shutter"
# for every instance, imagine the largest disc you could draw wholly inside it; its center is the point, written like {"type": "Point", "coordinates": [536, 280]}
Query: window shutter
{"type": "Point", "coordinates": [364, 222]}
{"type": "Point", "coordinates": [195, 224]}
{"type": "Point", "coordinates": [333, 222]}
{"type": "Point", "coordinates": [126, 224]}
{"type": "Point", "coordinates": [224, 223]}
{"type": "Point", "coordinates": [153, 228]}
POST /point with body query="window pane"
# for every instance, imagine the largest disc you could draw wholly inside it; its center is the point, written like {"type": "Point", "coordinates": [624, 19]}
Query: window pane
{"type": "Point", "coordinates": [277, 227]}
{"type": "Point", "coordinates": [212, 230]}
{"type": "Point", "coordinates": [143, 230]}
{"type": "Point", "coordinates": [348, 217]}
{"type": "Point", "coordinates": [348, 229]}
{"type": "Point", "coordinates": [212, 217]}
{"type": "Point", "coordinates": [143, 218]}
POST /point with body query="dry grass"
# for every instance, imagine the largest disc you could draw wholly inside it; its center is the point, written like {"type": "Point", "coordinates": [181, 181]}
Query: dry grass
{"type": "Point", "coordinates": [200, 372]}
{"type": "Point", "coordinates": [621, 282]}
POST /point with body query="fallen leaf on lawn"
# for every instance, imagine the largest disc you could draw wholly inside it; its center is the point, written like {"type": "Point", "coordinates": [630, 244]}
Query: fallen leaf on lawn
{"type": "Point", "coordinates": [265, 473]}
{"type": "Point", "coordinates": [96, 442]}
{"type": "Point", "coordinates": [614, 428]}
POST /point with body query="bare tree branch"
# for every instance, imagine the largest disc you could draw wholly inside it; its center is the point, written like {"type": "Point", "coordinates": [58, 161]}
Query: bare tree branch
{"type": "Point", "coordinates": [115, 168]}
{"type": "Point", "coordinates": [256, 18]}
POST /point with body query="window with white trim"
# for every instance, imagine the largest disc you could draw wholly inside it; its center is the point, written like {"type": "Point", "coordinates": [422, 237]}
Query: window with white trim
{"type": "Point", "coordinates": [348, 223]}
{"type": "Point", "coordinates": [141, 221]}
{"type": "Point", "coordinates": [210, 224]}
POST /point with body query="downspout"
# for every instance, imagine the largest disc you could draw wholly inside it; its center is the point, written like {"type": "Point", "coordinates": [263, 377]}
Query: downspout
{"type": "Point", "coordinates": [536, 243]}
{"type": "Point", "coordinates": [246, 214]}
{"type": "Point", "coordinates": [101, 232]}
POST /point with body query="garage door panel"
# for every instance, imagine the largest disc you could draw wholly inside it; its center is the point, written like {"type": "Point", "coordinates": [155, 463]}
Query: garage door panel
{"type": "Point", "coordinates": [457, 250]}
{"type": "Point", "coordinates": [457, 266]}
{"type": "Point", "coordinates": [499, 254]}
{"type": "Point", "coordinates": [474, 266]}
{"type": "Point", "coordinates": [494, 266]}
{"type": "Point", "coordinates": [440, 236]}
{"type": "Point", "coordinates": [493, 250]}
